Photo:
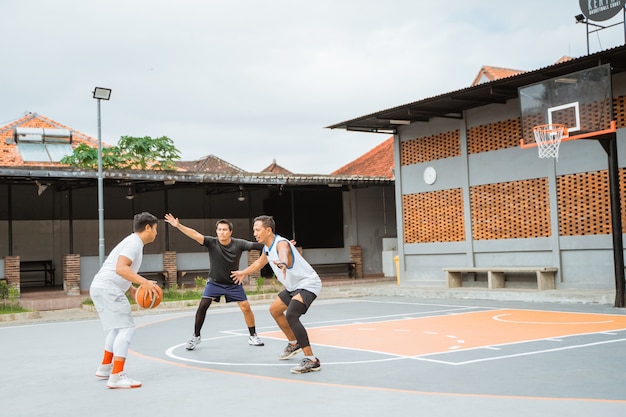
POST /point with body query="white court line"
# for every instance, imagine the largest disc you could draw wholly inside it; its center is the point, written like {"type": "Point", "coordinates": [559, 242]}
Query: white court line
{"type": "Point", "coordinates": [388, 318]}
{"type": "Point", "coordinates": [170, 353]}
{"type": "Point", "coordinates": [499, 318]}
{"type": "Point", "coordinates": [537, 352]}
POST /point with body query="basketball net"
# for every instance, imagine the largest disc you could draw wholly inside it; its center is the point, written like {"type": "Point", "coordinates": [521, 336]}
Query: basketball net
{"type": "Point", "coordinates": [548, 138]}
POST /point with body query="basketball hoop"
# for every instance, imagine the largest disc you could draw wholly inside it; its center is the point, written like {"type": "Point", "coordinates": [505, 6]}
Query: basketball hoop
{"type": "Point", "coordinates": [548, 138]}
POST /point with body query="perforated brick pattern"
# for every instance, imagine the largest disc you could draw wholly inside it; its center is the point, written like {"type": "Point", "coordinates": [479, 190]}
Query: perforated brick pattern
{"type": "Point", "coordinates": [489, 137]}
{"type": "Point", "coordinates": [584, 203]}
{"type": "Point", "coordinates": [518, 209]}
{"type": "Point", "coordinates": [430, 148]}
{"type": "Point", "coordinates": [619, 111]}
{"type": "Point", "coordinates": [511, 210]}
{"type": "Point", "coordinates": [435, 216]}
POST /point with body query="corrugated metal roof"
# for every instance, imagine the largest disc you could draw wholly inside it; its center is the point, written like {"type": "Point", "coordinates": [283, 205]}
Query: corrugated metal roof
{"type": "Point", "coordinates": [453, 104]}
{"type": "Point", "coordinates": [8, 174]}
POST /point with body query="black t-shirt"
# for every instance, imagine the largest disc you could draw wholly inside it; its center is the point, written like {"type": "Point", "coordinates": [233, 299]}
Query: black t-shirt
{"type": "Point", "coordinates": [225, 259]}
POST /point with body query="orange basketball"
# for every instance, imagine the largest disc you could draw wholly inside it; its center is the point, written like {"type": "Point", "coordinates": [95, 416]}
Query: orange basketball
{"type": "Point", "coordinates": [144, 300]}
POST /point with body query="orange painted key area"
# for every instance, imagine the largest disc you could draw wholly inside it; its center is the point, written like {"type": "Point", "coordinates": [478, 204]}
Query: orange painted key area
{"type": "Point", "coordinates": [439, 334]}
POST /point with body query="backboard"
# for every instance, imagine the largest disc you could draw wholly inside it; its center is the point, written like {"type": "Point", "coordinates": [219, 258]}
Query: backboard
{"type": "Point", "coordinates": [582, 101]}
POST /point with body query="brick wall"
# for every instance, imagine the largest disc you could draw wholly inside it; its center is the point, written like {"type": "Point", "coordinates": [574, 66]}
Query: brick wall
{"type": "Point", "coordinates": [12, 271]}
{"type": "Point", "coordinates": [169, 266]}
{"type": "Point", "coordinates": [71, 274]}
{"type": "Point", "coordinates": [253, 255]}
{"type": "Point", "coordinates": [356, 256]}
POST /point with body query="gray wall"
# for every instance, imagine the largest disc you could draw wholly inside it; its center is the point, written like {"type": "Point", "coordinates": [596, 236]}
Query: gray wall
{"type": "Point", "coordinates": [583, 261]}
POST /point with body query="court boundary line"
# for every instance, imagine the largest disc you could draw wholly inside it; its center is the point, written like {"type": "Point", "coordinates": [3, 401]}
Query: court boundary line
{"type": "Point", "coordinates": [382, 389]}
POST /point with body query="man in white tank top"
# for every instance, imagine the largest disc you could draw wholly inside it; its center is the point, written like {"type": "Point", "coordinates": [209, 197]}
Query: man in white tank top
{"type": "Point", "coordinates": [302, 286]}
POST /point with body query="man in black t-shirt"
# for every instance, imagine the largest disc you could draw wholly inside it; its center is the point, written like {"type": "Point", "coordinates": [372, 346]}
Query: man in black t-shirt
{"type": "Point", "coordinates": [224, 255]}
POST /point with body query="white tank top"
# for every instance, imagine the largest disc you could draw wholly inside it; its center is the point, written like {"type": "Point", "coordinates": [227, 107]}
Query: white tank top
{"type": "Point", "coordinates": [300, 275]}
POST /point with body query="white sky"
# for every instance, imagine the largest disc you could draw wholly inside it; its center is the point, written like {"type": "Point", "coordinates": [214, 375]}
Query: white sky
{"type": "Point", "coordinates": [251, 81]}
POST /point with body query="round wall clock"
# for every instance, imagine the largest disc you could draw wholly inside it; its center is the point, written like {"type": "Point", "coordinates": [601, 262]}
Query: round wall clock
{"type": "Point", "coordinates": [430, 175]}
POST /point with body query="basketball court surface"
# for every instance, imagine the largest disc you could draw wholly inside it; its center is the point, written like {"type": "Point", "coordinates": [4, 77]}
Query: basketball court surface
{"type": "Point", "coordinates": [380, 355]}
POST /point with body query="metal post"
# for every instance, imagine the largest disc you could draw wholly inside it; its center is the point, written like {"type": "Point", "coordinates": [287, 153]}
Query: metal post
{"type": "Point", "coordinates": [610, 146]}
{"type": "Point", "coordinates": [100, 195]}
{"type": "Point", "coordinates": [616, 214]}
{"type": "Point", "coordinates": [587, 27]}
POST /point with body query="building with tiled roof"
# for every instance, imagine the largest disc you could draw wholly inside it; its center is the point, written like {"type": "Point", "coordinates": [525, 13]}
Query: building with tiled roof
{"type": "Point", "coordinates": [42, 200]}
{"type": "Point", "coordinates": [210, 163]}
{"type": "Point", "coordinates": [274, 168]}
{"type": "Point", "coordinates": [469, 194]}
{"type": "Point", "coordinates": [10, 154]}
{"type": "Point", "coordinates": [488, 73]}
{"type": "Point", "coordinates": [376, 162]}
{"type": "Point", "coordinates": [564, 58]}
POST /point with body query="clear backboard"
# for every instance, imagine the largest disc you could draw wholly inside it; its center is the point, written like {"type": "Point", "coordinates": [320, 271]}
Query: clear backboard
{"type": "Point", "coordinates": [581, 101]}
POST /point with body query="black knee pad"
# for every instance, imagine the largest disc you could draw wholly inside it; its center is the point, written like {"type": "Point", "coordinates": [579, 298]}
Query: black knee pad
{"type": "Point", "coordinates": [294, 311]}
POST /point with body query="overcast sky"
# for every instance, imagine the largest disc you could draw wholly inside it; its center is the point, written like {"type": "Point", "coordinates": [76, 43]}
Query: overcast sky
{"type": "Point", "coordinates": [251, 81]}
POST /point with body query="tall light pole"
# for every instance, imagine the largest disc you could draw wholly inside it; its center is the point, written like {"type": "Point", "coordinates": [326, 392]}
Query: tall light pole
{"type": "Point", "coordinates": [100, 94]}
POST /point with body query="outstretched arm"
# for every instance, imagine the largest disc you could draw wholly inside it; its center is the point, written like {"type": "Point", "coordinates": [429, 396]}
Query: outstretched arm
{"type": "Point", "coordinates": [188, 231]}
{"type": "Point", "coordinates": [239, 276]}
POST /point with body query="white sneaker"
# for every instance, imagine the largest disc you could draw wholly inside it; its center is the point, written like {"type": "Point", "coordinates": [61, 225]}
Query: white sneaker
{"type": "Point", "coordinates": [122, 380]}
{"type": "Point", "coordinates": [255, 340]}
{"type": "Point", "coordinates": [104, 371]}
{"type": "Point", "coordinates": [193, 342]}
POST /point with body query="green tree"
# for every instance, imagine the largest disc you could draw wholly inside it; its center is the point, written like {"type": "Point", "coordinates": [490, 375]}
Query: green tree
{"type": "Point", "coordinates": [146, 152]}
{"type": "Point", "coordinates": [85, 156]}
{"type": "Point", "coordinates": [130, 153]}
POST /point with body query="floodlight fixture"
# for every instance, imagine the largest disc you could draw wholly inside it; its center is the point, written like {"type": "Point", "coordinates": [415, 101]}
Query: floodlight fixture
{"type": "Point", "coordinates": [102, 93]}
{"type": "Point", "coordinates": [580, 18]}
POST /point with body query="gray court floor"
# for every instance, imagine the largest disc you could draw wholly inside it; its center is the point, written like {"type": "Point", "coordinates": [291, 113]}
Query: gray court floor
{"type": "Point", "coordinates": [48, 368]}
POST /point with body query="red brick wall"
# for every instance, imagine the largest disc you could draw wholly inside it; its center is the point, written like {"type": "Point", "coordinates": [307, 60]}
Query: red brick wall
{"type": "Point", "coordinates": [169, 266]}
{"type": "Point", "coordinates": [71, 274]}
{"type": "Point", "coordinates": [12, 271]}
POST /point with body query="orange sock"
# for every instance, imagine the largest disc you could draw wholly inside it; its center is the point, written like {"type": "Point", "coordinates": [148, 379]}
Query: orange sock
{"type": "Point", "coordinates": [118, 365]}
{"type": "Point", "coordinates": [108, 357]}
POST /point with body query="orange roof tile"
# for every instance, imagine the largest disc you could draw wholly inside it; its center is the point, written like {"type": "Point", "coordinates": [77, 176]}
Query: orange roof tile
{"type": "Point", "coordinates": [377, 162]}
{"type": "Point", "coordinates": [210, 163]}
{"type": "Point", "coordinates": [274, 168]}
{"type": "Point", "coordinates": [9, 153]}
{"type": "Point", "coordinates": [488, 73]}
{"type": "Point", "coordinates": [564, 58]}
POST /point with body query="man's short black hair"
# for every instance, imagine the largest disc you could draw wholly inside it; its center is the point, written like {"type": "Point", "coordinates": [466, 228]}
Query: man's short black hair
{"type": "Point", "coordinates": [226, 222]}
{"type": "Point", "coordinates": [141, 220]}
{"type": "Point", "coordinates": [266, 221]}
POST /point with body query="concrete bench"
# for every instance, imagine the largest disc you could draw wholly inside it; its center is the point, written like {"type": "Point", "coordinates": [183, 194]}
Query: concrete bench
{"type": "Point", "coordinates": [495, 275]}
{"type": "Point", "coordinates": [159, 276]}
{"type": "Point", "coordinates": [187, 277]}
{"type": "Point", "coordinates": [334, 269]}
{"type": "Point", "coordinates": [37, 272]}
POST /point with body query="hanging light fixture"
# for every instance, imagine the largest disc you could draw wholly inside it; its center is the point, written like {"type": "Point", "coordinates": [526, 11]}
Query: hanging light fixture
{"type": "Point", "coordinates": [241, 196]}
